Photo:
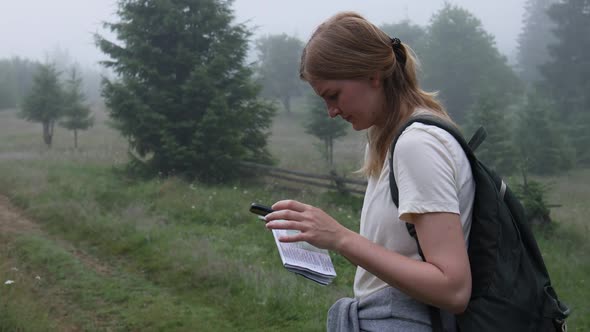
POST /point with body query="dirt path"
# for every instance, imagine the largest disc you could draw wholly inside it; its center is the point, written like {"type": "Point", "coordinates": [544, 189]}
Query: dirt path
{"type": "Point", "coordinates": [14, 221]}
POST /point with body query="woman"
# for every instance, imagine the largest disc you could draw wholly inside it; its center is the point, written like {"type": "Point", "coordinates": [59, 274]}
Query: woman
{"type": "Point", "coordinates": [369, 80]}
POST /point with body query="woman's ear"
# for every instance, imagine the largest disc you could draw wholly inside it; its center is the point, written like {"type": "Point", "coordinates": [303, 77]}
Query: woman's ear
{"type": "Point", "coordinates": [375, 80]}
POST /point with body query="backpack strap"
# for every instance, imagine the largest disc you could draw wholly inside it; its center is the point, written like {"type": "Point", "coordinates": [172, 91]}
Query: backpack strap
{"type": "Point", "coordinates": [479, 136]}
{"type": "Point", "coordinates": [474, 142]}
{"type": "Point", "coordinates": [432, 120]}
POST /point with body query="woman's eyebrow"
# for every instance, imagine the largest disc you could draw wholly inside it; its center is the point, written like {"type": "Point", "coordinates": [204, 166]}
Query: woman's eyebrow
{"type": "Point", "coordinates": [325, 92]}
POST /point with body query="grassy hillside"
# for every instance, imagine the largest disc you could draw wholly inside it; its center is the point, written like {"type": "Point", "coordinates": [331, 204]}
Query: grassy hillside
{"type": "Point", "coordinates": [103, 251]}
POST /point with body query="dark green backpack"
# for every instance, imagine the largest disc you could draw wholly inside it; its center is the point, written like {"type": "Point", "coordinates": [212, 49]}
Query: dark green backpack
{"type": "Point", "coordinates": [511, 288]}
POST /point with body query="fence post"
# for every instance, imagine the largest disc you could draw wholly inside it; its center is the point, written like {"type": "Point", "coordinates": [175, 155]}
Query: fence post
{"type": "Point", "coordinates": [340, 185]}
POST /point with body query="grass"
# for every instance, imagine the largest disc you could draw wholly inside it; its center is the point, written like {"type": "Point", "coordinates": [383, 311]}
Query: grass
{"type": "Point", "coordinates": [20, 309]}
{"type": "Point", "coordinates": [563, 249]}
{"type": "Point", "coordinates": [565, 245]}
{"type": "Point", "coordinates": [176, 235]}
{"type": "Point", "coordinates": [185, 256]}
{"type": "Point", "coordinates": [295, 149]}
{"type": "Point", "coordinates": [94, 301]}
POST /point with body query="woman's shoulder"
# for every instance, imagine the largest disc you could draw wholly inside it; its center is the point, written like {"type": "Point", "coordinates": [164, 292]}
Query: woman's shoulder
{"type": "Point", "coordinates": [427, 140]}
{"type": "Point", "coordinates": [420, 133]}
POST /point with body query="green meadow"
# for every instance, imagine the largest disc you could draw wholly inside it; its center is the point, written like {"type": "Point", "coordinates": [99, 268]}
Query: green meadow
{"type": "Point", "coordinates": [100, 250]}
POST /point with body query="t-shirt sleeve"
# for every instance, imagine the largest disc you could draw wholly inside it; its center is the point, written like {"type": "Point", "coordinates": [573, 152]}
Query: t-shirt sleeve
{"type": "Point", "coordinates": [425, 173]}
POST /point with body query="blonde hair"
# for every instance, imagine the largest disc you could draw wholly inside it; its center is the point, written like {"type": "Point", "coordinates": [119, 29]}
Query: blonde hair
{"type": "Point", "coordinates": [347, 46]}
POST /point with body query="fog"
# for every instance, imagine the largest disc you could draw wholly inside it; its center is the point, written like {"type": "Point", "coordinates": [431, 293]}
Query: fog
{"type": "Point", "coordinates": [36, 29]}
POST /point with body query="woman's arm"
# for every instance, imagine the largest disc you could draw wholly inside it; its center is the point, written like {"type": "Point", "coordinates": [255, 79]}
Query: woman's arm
{"type": "Point", "coordinates": [443, 281]}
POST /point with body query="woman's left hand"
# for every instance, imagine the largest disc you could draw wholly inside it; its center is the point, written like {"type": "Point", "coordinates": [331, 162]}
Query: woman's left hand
{"type": "Point", "coordinates": [316, 226]}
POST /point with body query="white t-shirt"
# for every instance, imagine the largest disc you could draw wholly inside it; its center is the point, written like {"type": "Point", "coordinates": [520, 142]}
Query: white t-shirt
{"type": "Point", "coordinates": [433, 175]}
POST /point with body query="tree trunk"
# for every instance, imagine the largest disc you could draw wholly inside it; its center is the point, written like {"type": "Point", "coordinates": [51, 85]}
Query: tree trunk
{"type": "Point", "coordinates": [330, 151]}
{"type": "Point", "coordinates": [47, 132]}
{"type": "Point", "coordinates": [76, 139]}
{"type": "Point", "coordinates": [326, 150]}
{"type": "Point", "coordinates": [525, 184]}
{"type": "Point", "coordinates": [51, 127]}
{"type": "Point", "coordinates": [287, 103]}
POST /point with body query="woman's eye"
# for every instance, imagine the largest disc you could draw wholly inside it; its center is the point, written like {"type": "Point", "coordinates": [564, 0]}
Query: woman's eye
{"type": "Point", "coordinates": [333, 97]}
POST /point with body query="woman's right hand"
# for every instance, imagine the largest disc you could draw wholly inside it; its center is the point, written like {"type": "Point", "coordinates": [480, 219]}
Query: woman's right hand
{"type": "Point", "coordinates": [316, 226]}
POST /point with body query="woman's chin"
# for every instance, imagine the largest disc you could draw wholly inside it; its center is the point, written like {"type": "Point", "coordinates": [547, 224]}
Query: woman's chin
{"type": "Point", "coordinates": [358, 126]}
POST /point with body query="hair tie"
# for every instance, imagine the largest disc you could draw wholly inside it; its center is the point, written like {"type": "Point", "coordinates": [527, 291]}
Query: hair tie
{"type": "Point", "coordinates": [399, 53]}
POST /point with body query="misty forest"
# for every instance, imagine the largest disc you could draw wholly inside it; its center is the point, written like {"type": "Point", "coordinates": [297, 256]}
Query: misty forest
{"type": "Point", "coordinates": [124, 190]}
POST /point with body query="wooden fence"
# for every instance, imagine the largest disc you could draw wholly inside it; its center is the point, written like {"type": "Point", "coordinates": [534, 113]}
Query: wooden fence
{"type": "Point", "coordinates": [330, 181]}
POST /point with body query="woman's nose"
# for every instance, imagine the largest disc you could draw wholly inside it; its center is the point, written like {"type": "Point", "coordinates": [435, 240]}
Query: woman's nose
{"type": "Point", "coordinates": [333, 111]}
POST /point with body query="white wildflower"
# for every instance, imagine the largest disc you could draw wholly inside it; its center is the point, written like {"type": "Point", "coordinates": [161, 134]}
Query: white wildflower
{"type": "Point", "coordinates": [38, 278]}
{"type": "Point", "coordinates": [9, 282]}
{"type": "Point", "coordinates": [14, 269]}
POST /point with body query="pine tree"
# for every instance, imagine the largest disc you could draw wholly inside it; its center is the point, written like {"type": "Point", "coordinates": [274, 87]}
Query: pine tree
{"type": "Point", "coordinates": [7, 86]}
{"type": "Point", "coordinates": [460, 58]}
{"type": "Point", "coordinates": [534, 38]}
{"type": "Point", "coordinates": [541, 142]}
{"type": "Point", "coordinates": [16, 80]}
{"type": "Point", "coordinates": [567, 74]}
{"type": "Point", "coordinates": [278, 67]}
{"type": "Point", "coordinates": [578, 132]}
{"type": "Point", "coordinates": [185, 97]}
{"type": "Point", "coordinates": [566, 77]}
{"type": "Point", "coordinates": [409, 33]}
{"type": "Point", "coordinates": [44, 103]}
{"type": "Point", "coordinates": [77, 114]}
{"type": "Point", "coordinates": [323, 127]}
{"type": "Point", "coordinates": [498, 150]}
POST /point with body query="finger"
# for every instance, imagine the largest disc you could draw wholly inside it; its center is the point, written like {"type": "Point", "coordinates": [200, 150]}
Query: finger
{"type": "Point", "coordinates": [284, 215]}
{"type": "Point", "coordinates": [292, 238]}
{"type": "Point", "coordinates": [285, 224]}
{"type": "Point", "coordinates": [290, 204]}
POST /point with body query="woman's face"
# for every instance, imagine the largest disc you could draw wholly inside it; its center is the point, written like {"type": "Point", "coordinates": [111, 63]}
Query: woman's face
{"type": "Point", "coordinates": [360, 102]}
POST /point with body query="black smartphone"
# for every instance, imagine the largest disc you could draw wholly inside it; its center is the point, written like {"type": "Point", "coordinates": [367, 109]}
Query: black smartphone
{"type": "Point", "coordinates": [259, 209]}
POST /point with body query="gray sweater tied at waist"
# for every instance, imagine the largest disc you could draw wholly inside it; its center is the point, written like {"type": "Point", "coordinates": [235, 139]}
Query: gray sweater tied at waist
{"type": "Point", "coordinates": [385, 310]}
